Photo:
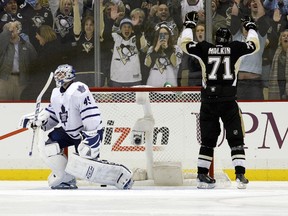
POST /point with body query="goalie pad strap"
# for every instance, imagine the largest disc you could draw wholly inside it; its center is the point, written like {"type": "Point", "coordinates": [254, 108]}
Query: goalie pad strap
{"type": "Point", "coordinates": [52, 149]}
{"type": "Point", "coordinates": [98, 171]}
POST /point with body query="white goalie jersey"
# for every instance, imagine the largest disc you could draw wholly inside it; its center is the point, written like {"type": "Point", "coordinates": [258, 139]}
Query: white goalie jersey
{"type": "Point", "coordinates": [74, 110]}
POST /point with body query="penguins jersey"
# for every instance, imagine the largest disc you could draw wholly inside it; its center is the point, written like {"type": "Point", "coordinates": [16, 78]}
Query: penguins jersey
{"type": "Point", "coordinates": [220, 63]}
{"type": "Point", "coordinates": [74, 110]}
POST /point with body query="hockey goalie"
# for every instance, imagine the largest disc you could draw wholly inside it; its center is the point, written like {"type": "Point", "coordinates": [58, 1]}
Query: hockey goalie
{"type": "Point", "coordinates": [74, 120]}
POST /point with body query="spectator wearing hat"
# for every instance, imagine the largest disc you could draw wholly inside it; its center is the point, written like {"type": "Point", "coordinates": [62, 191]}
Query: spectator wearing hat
{"type": "Point", "coordinates": [125, 65]}
{"type": "Point", "coordinates": [111, 14]}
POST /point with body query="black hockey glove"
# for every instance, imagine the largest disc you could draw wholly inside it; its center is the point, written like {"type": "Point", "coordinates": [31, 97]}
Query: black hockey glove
{"type": "Point", "coordinates": [250, 25]}
{"type": "Point", "coordinates": [191, 19]}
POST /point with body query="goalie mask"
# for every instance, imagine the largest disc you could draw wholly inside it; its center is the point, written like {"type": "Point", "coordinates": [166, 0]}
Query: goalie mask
{"type": "Point", "coordinates": [64, 74]}
{"type": "Point", "coordinates": [223, 36]}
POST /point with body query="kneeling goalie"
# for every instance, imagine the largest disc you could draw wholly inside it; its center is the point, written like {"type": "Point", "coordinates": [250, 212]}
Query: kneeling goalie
{"type": "Point", "coordinates": [76, 121]}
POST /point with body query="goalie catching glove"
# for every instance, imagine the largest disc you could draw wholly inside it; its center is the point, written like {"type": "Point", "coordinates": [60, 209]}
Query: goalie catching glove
{"type": "Point", "coordinates": [27, 121]}
{"type": "Point", "coordinates": [89, 147]}
{"type": "Point", "coordinates": [191, 19]}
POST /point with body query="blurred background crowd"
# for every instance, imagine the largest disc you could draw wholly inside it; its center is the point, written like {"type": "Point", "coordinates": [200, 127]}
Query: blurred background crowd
{"type": "Point", "coordinates": [137, 42]}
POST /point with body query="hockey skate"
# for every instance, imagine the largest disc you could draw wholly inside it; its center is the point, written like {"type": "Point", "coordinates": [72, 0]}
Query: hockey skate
{"type": "Point", "coordinates": [241, 181]}
{"type": "Point", "coordinates": [204, 181]}
{"type": "Point", "coordinates": [66, 185]}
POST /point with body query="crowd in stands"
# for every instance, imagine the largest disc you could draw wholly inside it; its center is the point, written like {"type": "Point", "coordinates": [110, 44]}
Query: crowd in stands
{"type": "Point", "coordinates": [138, 43]}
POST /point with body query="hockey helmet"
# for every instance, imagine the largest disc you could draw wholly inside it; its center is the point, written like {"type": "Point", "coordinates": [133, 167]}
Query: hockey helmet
{"type": "Point", "coordinates": [223, 36]}
{"type": "Point", "coordinates": [63, 74]}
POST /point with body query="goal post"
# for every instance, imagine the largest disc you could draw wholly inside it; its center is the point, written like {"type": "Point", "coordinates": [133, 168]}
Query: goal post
{"type": "Point", "coordinates": [166, 123]}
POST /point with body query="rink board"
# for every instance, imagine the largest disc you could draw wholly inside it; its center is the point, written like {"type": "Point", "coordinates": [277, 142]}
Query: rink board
{"type": "Point", "coordinates": [266, 140]}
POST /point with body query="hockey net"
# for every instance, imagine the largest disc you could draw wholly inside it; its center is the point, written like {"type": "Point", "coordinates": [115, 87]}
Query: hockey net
{"type": "Point", "coordinates": [168, 123]}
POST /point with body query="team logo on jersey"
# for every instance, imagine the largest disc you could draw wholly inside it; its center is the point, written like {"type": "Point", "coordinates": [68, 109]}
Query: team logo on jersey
{"type": "Point", "coordinates": [63, 115]}
{"type": "Point", "coordinates": [81, 88]}
{"type": "Point", "coordinates": [126, 52]}
{"type": "Point", "coordinates": [87, 47]}
{"type": "Point", "coordinates": [38, 21]}
{"type": "Point", "coordinates": [63, 24]}
{"type": "Point", "coordinates": [162, 64]}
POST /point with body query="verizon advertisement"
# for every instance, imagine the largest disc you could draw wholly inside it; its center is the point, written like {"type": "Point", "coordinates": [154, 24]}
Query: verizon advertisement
{"type": "Point", "coordinates": [176, 136]}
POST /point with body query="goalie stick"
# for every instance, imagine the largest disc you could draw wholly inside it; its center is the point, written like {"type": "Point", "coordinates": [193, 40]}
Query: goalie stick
{"type": "Point", "coordinates": [38, 104]}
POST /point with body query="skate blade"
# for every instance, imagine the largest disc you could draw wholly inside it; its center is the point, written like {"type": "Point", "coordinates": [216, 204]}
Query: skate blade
{"type": "Point", "coordinates": [241, 185]}
{"type": "Point", "coordinates": [203, 185]}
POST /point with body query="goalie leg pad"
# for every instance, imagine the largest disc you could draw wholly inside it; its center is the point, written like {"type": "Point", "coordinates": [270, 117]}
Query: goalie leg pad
{"type": "Point", "coordinates": [100, 171]}
{"type": "Point", "coordinates": [53, 157]}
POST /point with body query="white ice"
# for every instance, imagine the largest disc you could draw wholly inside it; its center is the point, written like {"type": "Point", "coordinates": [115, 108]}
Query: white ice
{"type": "Point", "coordinates": [36, 198]}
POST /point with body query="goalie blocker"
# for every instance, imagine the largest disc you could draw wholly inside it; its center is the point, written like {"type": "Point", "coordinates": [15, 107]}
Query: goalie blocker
{"type": "Point", "coordinates": [99, 171]}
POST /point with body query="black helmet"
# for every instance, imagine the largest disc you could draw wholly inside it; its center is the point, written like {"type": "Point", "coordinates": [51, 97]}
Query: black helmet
{"type": "Point", "coordinates": [223, 36]}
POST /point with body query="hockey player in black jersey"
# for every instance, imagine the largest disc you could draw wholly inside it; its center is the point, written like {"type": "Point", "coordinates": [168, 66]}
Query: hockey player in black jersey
{"type": "Point", "coordinates": [220, 65]}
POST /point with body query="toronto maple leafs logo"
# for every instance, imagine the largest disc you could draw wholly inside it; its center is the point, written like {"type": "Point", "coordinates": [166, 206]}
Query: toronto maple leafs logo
{"type": "Point", "coordinates": [63, 115]}
{"type": "Point", "coordinates": [81, 88]}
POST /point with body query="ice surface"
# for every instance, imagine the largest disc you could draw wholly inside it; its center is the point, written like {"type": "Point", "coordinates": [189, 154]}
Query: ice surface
{"type": "Point", "coordinates": [36, 198]}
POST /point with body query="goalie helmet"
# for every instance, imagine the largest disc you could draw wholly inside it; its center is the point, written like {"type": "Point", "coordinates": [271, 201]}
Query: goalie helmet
{"type": "Point", "coordinates": [63, 74]}
{"type": "Point", "coordinates": [223, 36]}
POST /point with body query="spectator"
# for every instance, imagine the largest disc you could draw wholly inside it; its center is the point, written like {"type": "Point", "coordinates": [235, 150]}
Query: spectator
{"type": "Point", "coordinates": [278, 88]}
{"type": "Point", "coordinates": [174, 7]}
{"type": "Point", "coordinates": [37, 15]}
{"type": "Point", "coordinates": [194, 67]}
{"type": "Point", "coordinates": [138, 19]}
{"type": "Point", "coordinates": [144, 5]}
{"type": "Point", "coordinates": [64, 28]}
{"type": "Point", "coordinates": [271, 5]}
{"type": "Point", "coordinates": [16, 58]}
{"type": "Point", "coordinates": [84, 35]}
{"type": "Point", "coordinates": [224, 9]}
{"type": "Point", "coordinates": [162, 15]}
{"type": "Point", "coordinates": [55, 4]}
{"type": "Point", "coordinates": [163, 59]}
{"type": "Point", "coordinates": [88, 7]}
{"type": "Point", "coordinates": [50, 53]}
{"type": "Point", "coordinates": [125, 64]}
{"type": "Point", "coordinates": [217, 19]}
{"type": "Point", "coordinates": [111, 12]}
{"type": "Point", "coordinates": [250, 70]}
{"type": "Point", "coordinates": [64, 21]}
{"type": "Point", "coordinates": [270, 48]}
{"type": "Point", "coordinates": [12, 13]}
{"type": "Point", "coordinates": [191, 5]}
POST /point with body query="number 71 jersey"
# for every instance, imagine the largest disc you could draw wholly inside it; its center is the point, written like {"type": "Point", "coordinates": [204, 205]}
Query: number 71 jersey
{"type": "Point", "coordinates": [219, 63]}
